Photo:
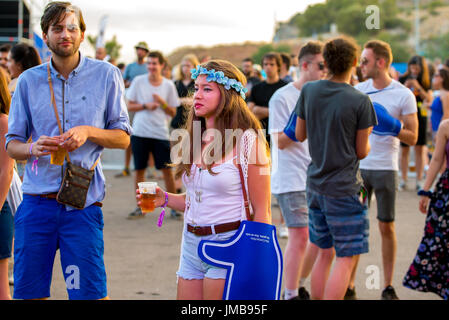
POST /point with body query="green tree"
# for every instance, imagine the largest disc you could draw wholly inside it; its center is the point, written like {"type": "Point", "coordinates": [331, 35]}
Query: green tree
{"type": "Point", "coordinates": [436, 47]}
{"type": "Point", "coordinates": [351, 20]}
{"type": "Point", "coordinates": [112, 46]}
{"type": "Point", "coordinates": [316, 19]}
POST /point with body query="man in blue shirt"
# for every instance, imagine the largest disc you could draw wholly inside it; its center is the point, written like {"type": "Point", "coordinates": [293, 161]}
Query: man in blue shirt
{"type": "Point", "coordinates": [91, 106]}
{"type": "Point", "coordinates": [139, 67]}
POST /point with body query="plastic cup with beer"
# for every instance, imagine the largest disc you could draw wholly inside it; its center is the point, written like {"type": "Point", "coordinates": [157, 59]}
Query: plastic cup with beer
{"type": "Point", "coordinates": [57, 157]}
{"type": "Point", "coordinates": [148, 196]}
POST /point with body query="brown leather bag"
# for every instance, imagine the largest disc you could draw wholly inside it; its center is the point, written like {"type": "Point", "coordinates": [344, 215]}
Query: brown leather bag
{"type": "Point", "coordinates": [76, 180]}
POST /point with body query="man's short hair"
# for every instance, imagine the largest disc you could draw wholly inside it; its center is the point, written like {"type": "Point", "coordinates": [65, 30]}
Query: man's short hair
{"type": "Point", "coordinates": [248, 60]}
{"type": "Point", "coordinates": [5, 47]}
{"type": "Point", "coordinates": [286, 60]}
{"type": "Point", "coordinates": [340, 54]}
{"type": "Point", "coordinates": [55, 11]}
{"type": "Point", "coordinates": [311, 48]}
{"type": "Point", "coordinates": [381, 49]}
{"type": "Point", "coordinates": [273, 56]}
{"type": "Point", "coordinates": [158, 55]}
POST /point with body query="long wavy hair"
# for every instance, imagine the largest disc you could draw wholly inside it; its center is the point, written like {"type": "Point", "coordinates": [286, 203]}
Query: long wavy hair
{"type": "Point", "coordinates": [231, 113]}
{"type": "Point", "coordinates": [5, 96]}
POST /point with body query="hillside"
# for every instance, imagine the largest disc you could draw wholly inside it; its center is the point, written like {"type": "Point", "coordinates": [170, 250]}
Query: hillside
{"type": "Point", "coordinates": [434, 16]}
{"type": "Point", "coordinates": [234, 53]}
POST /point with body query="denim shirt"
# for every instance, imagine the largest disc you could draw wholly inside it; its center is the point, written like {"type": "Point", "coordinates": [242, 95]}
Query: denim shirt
{"type": "Point", "coordinates": [93, 95]}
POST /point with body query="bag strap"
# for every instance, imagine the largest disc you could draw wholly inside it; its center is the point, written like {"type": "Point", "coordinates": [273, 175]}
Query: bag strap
{"type": "Point", "coordinates": [245, 194]}
{"type": "Point", "coordinates": [53, 101]}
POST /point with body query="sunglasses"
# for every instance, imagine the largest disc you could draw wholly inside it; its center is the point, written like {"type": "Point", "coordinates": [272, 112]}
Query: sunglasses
{"type": "Point", "coordinates": [319, 64]}
{"type": "Point", "coordinates": [365, 61]}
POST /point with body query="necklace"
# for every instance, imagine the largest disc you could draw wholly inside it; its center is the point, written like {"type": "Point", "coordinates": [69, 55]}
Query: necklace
{"type": "Point", "coordinates": [198, 193]}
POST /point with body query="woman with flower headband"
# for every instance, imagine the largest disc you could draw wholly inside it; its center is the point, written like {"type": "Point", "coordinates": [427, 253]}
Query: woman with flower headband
{"type": "Point", "coordinates": [213, 204]}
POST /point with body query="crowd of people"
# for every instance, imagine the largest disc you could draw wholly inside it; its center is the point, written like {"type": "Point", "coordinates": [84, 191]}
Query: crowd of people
{"type": "Point", "coordinates": [323, 131]}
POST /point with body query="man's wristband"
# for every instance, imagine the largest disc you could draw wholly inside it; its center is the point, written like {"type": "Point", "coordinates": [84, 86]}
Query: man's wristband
{"type": "Point", "coordinates": [144, 106]}
{"type": "Point", "coordinates": [164, 106]}
{"type": "Point", "coordinates": [424, 193]}
{"type": "Point", "coordinates": [31, 149]}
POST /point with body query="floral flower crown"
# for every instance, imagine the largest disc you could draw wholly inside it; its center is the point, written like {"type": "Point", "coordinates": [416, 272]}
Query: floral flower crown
{"type": "Point", "coordinates": [219, 77]}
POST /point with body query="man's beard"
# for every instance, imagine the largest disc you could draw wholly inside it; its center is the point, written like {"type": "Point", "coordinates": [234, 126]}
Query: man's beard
{"type": "Point", "coordinates": [63, 53]}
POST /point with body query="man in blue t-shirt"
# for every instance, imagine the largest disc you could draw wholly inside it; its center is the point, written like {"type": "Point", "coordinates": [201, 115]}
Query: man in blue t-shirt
{"type": "Point", "coordinates": [139, 67]}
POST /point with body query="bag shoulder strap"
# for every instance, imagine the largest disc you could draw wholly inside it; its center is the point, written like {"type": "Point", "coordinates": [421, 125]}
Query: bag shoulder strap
{"type": "Point", "coordinates": [53, 101]}
{"type": "Point", "coordinates": [245, 194]}
{"type": "Point", "coordinates": [244, 150]}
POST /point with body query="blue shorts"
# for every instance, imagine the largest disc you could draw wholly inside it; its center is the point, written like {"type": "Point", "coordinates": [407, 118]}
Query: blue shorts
{"type": "Point", "coordinates": [44, 226]}
{"type": "Point", "coordinates": [338, 222]}
{"type": "Point", "coordinates": [6, 231]}
{"type": "Point", "coordinates": [191, 267]}
{"type": "Point", "coordinates": [294, 208]}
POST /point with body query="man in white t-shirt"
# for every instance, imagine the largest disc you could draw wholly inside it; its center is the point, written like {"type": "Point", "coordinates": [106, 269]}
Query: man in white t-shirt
{"type": "Point", "coordinates": [154, 99]}
{"type": "Point", "coordinates": [380, 168]}
{"type": "Point", "coordinates": [290, 160]}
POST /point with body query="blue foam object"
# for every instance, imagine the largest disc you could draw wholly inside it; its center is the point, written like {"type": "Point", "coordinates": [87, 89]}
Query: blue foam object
{"type": "Point", "coordinates": [253, 260]}
{"type": "Point", "coordinates": [386, 124]}
{"type": "Point", "coordinates": [290, 128]}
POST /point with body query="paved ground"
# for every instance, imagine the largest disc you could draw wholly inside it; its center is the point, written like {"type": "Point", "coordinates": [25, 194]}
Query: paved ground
{"type": "Point", "coordinates": [142, 259]}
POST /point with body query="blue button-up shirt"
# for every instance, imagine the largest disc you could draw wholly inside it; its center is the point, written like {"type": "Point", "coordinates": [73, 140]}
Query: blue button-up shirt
{"type": "Point", "coordinates": [93, 95]}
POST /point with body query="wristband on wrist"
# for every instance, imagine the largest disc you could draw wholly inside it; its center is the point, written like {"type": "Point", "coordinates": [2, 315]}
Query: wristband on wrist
{"type": "Point", "coordinates": [144, 106]}
{"type": "Point", "coordinates": [161, 216]}
{"type": "Point", "coordinates": [164, 106]}
{"type": "Point", "coordinates": [424, 193]}
{"type": "Point", "coordinates": [34, 165]}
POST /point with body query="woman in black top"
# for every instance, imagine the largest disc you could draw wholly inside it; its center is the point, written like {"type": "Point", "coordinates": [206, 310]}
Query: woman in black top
{"type": "Point", "coordinates": [185, 86]}
{"type": "Point", "coordinates": [417, 79]}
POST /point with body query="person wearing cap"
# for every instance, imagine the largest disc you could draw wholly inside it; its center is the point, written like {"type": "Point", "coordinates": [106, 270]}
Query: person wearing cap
{"type": "Point", "coordinates": [139, 67]}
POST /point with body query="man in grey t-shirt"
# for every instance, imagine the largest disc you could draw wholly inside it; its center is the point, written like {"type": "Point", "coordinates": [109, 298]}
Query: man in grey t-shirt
{"type": "Point", "coordinates": [334, 112]}
{"type": "Point", "coordinates": [337, 120]}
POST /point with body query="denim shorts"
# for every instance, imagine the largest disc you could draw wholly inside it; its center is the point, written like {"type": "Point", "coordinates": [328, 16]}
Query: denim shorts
{"type": "Point", "coordinates": [44, 226]}
{"type": "Point", "coordinates": [191, 267]}
{"type": "Point", "coordinates": [341, 223]}
{"type": "Point", "coordinates": [294, 208]}
{"type": "Point", "coordinates": [6, 231]}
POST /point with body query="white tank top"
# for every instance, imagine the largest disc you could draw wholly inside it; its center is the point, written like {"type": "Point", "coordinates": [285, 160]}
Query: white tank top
{"type": "Point", "coordinates": [214, 199]}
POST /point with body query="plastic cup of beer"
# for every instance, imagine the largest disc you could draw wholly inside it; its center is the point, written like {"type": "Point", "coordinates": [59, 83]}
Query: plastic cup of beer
{"type": "Point", "coordinates": [57, 157]}
{"type": "Point", "coordinates": [148, 196]}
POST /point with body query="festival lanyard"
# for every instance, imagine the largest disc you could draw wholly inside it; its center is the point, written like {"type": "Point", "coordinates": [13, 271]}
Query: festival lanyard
{"type": "Point", "coordinates": [377, 91]}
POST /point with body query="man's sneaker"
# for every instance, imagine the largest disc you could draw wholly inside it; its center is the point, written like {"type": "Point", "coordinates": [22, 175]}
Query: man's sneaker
{"type": "Point", "coordinates": [125, 173]}
{"type": "Point", "coordinates": [402, 185]}
{"type": "Point", "coordinates": [303, 294]}
{"type": "Point", "coordinates": [136, 214]}
{"type": "Point", "coordinates": [419, 184]}
{"type": "Point", "coordinates": [389, 294]}
{"type": "Point", "coordinates": [283, 231]}
{"type": "Point", "coordinates": [350, 294]}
